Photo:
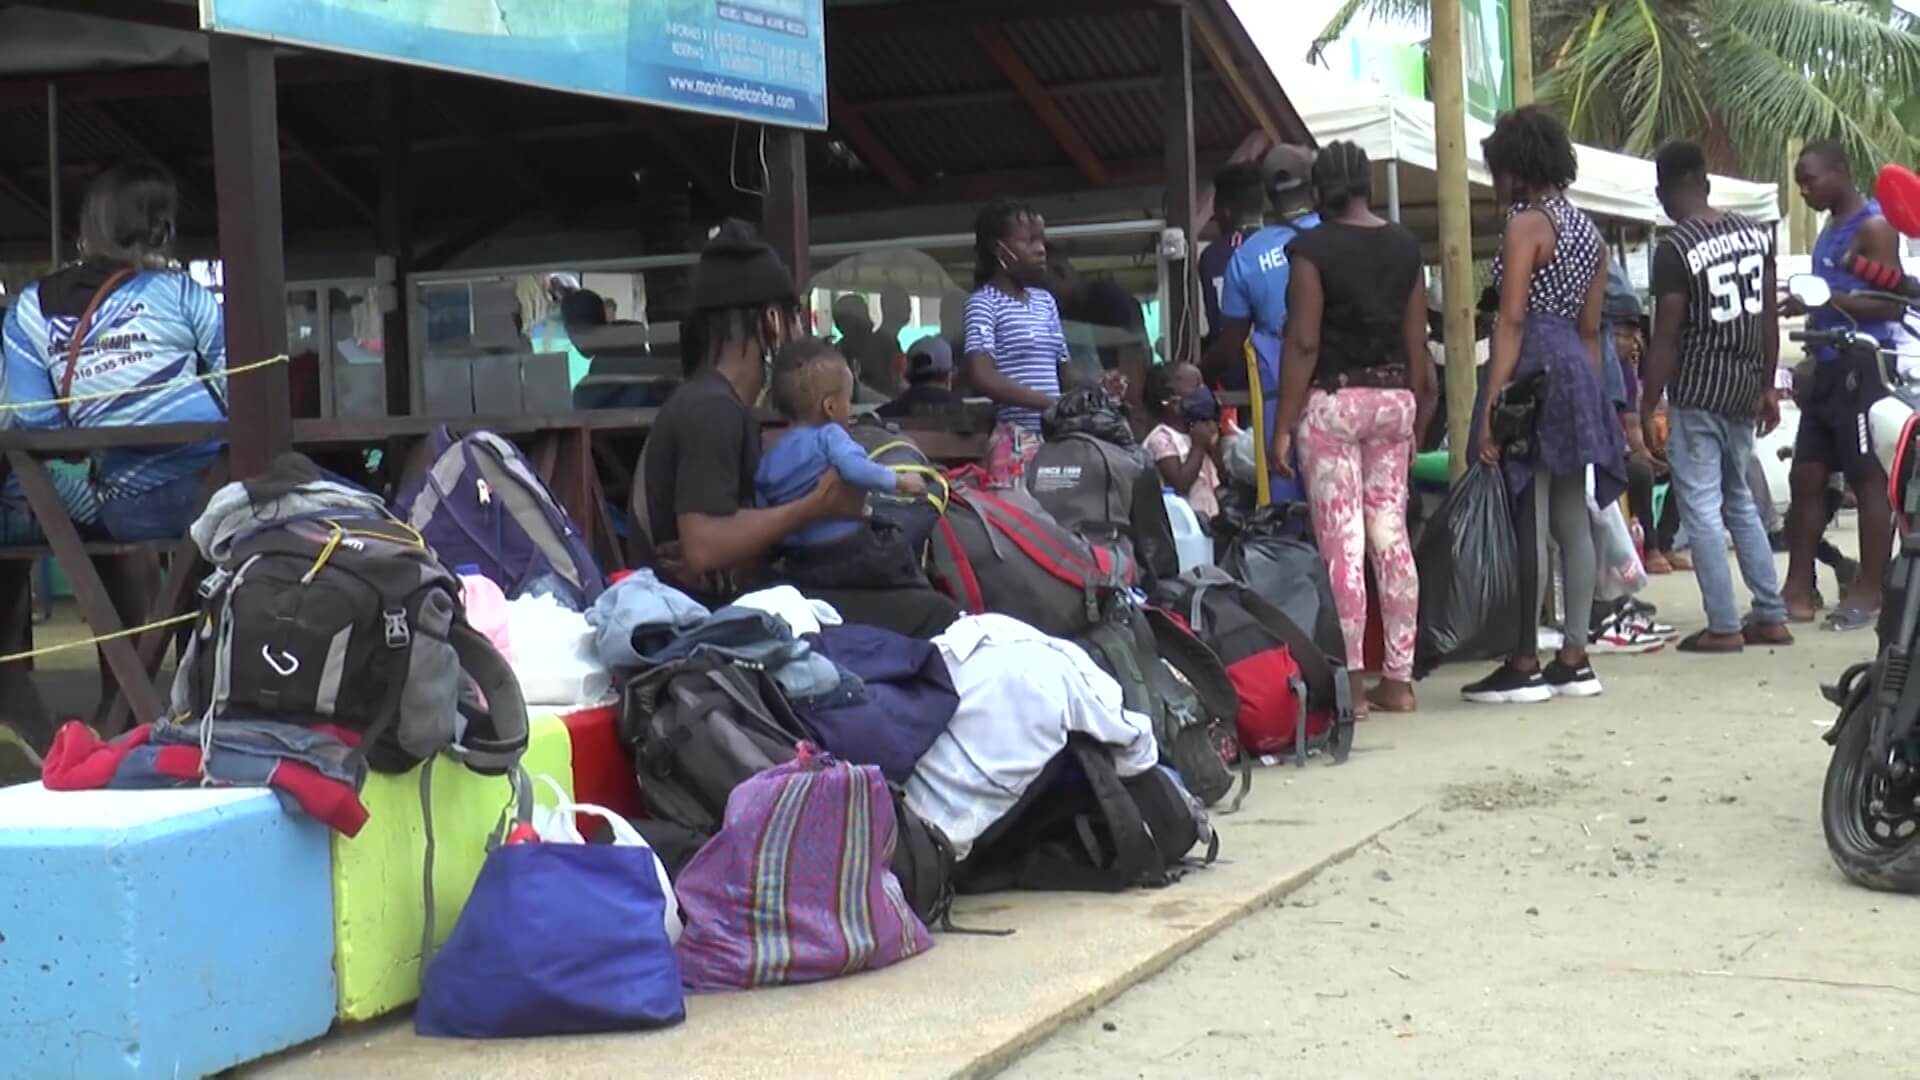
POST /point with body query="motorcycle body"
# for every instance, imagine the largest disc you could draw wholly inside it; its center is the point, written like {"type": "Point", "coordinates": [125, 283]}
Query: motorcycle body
{"type": "Point", "coordinates": [1870, 801]}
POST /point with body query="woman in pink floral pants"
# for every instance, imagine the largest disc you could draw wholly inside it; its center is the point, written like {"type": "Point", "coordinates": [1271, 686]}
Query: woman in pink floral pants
{"type": "Point", "coordinates": [1357, 380]}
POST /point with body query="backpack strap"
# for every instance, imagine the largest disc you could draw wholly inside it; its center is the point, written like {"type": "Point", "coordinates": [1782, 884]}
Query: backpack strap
{"type": "Point", "coordinates": [517, 812]}
{"type": "Point", "coordinates": [1099, 568]}
{"type": "Point", "coordinates": [495, 739]}
{"type": "Point", "coordinates": [82, 328]}
{"type": "Point", "coordinates": [971, 597]}
{"type": "Point", "coordinates": [1315, 666]}
{"type": "Point", "coordinates": [1136, 860]}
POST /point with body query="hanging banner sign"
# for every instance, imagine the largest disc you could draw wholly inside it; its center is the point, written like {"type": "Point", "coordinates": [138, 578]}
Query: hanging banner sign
{"type": "Point", "coordinates": [759, 60]}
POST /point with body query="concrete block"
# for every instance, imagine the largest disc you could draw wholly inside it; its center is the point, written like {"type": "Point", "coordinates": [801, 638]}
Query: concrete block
{"type": "Point", "coordinates": [379, 906]}
{"type": "Point", "coordinates": [159, 933]}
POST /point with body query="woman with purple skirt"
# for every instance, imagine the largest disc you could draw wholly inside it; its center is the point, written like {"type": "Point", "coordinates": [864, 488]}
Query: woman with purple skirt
{"type": "Point", "coordinates": [1551, 279]}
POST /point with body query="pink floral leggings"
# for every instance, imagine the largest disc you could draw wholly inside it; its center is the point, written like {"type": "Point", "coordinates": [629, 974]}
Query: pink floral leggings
{"type": "Point", "coordinates": [1356, 447]}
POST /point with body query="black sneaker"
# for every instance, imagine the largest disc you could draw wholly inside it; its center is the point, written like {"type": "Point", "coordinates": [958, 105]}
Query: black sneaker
{"type": "Point", "coordinates": [1564, 680]}
{"type": "Point", "coordinates": [1509, 685]}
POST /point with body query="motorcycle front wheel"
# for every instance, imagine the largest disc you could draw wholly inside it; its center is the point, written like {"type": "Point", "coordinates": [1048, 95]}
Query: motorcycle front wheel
{"type": "Point", "coordinates": [1872, 827]}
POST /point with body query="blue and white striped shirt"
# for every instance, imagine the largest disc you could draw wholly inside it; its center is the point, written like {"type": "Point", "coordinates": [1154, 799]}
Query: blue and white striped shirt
{"type": "Point", "coordinates": [150, 337]}
{"type": "Point", "coordinates": [1025, 340]}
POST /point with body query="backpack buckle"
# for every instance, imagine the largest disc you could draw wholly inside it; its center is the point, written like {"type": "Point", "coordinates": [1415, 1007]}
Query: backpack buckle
{"type": "Point", "coordinates": [399, 635]}
{"type": "Point", "coordinates": [212, 584]}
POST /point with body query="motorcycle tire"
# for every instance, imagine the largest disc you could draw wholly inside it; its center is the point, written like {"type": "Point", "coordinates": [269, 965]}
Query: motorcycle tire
{"type": "Point", "coordinates": [1864, 859]}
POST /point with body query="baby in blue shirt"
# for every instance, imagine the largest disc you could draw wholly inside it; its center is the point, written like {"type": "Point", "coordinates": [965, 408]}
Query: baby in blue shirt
{"type": "Point", "coordinates": [813, 387]}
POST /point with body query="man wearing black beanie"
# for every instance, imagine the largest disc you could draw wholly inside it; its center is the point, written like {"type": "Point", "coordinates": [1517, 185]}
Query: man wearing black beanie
{"type": "Point", "coordinates": [693, 505]}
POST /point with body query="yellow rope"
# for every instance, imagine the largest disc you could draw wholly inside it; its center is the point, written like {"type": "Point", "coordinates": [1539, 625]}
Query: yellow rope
{"type": "Point", "coordinates": [49, 650]}
{"type": "Point", "coordinates": [102, 395]}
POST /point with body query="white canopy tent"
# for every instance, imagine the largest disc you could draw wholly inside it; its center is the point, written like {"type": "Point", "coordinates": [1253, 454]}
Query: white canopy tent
{"type": "Point", "coordinates": [1397, 133]}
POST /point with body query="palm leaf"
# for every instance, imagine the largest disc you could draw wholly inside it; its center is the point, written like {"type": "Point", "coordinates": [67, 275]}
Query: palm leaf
{"type": "Point", "coordinates": [1383, 10]}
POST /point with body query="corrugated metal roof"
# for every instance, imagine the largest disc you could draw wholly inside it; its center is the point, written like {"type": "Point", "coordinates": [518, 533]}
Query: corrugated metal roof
{"type": "Point", "coordinates": [936, 102]}
{"type": "Point", "coordinates": [1083, 49]}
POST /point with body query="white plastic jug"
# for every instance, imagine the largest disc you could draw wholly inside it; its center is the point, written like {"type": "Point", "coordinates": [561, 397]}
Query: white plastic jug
{"type": "Point", "coordinates": [1194, 546]}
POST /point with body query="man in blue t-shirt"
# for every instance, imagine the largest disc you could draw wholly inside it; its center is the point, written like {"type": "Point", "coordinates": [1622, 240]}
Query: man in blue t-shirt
{"type": "Point", "coordinates": [1253, 296]}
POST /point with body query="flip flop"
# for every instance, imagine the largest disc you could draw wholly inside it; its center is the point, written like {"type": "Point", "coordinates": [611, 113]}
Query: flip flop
{"type": "Point", "coordinates": [1751, 633]}
{"type": "Point", "coordinates": [1848, 618]}
{"type": "Point", "coordinates": [1696, 642]}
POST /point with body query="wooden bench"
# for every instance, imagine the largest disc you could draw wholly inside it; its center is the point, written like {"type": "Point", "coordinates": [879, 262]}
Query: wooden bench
{"type": "Point", "coordinates": [36, 552]}
{"type": "Point", "coordinates": [132, 663]}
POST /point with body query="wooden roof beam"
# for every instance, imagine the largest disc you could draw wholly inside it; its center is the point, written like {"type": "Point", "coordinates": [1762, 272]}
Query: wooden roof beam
{"type": "Point", "coordinates": [328, 176]}
{"type": "Point", "coordinates": [847, 119]}
{"type": "Point", "coordinates": [1000, 49]}
{"type": "Point", "coordinates": [688, 160]}
{"type": "Point", "coordinates": [508, 164]}
{"type": "Point", "coordinates": [880, 18]}
{"type": "Point", "coordinates": [189, 191]}
{"type": "Point", "coordinates": [465, 239]}
{"type": "Point", "coordinates": [1220, 55]}
{"type": "Point", "coordinates": [167, 82]}
{"type": "Point", "coordinates": [161, 13]}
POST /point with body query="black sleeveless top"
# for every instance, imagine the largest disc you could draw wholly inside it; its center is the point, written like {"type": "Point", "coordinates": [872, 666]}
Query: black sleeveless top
{"type": "Point", "coordinates": [1366, 274]}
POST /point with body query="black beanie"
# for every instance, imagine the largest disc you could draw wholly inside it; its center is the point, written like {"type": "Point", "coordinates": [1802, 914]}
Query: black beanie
{"type": "Point", "coordinates": [737, 269]}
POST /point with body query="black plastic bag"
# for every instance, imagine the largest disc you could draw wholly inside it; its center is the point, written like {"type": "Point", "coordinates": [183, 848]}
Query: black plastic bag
{"type": "Point", "coordinates": [1469, 573]}
{"type": "Point", "coordinates": [1088, 410]}
{"type": "Point", "coordinates": [1272, 552]}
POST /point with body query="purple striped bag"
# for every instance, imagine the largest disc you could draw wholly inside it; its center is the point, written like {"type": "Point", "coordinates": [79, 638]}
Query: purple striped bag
{"type": "Point", "coordinates": [796, 885]}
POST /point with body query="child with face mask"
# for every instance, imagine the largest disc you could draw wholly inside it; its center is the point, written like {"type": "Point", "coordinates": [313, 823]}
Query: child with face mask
{"type": "Point", "coordinates": [812, 386]}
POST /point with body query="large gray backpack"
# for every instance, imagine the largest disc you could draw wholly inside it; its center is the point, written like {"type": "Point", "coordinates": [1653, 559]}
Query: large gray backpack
{"type": "Point", "coordinates": [353, 622]}
{"type": "Point", "coordinates": [1108, 494]}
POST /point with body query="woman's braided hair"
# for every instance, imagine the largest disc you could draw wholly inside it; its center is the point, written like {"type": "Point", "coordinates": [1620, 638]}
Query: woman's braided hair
{"type": "Point", "coordinates": [1341, 174]}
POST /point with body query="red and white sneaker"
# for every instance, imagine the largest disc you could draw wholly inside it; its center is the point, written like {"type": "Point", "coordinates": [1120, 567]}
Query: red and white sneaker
{"type": "Point", "coordinates": [1625, 636]}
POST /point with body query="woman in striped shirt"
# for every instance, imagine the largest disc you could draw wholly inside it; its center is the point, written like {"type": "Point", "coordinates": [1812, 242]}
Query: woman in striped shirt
{"type": "Point", "coordinates": [1014, 346]}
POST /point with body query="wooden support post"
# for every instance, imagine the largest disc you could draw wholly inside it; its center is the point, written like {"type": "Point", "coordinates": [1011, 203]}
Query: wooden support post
{"type": "Point", "coordinates": [1226, 67]}
{"type": "Point", "coordinates": [246, 174]}
{"type": "Point", "coordinates": [1793, 207]}
{"type": "Point", "coordinates": [1179, 322]}
{"type": "Point", "coordinates": [1520, 16]}
{"type": "Point", "coordinates": [53, 175]}
{"type": "Point", "coordinates": [395, 241]}
{"type": "Point", "coordinates": [784, 213]}
{"type": "Point", "coordinates": [1456, 225]}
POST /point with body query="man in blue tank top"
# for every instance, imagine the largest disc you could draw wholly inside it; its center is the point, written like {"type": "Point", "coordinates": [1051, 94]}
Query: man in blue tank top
{"type": "Point", "coordinates": [1833, 411]}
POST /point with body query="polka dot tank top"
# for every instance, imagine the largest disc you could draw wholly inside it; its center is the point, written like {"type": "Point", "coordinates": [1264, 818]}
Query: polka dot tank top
{"type": "Point", "coordinates": [1560, 287]}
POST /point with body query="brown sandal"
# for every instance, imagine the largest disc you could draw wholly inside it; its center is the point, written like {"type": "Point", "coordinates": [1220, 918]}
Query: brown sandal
{"type": "Point", "coordinates": [1697, 642]}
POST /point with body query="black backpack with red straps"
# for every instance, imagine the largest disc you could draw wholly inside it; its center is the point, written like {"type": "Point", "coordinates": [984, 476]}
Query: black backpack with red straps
{"type": "Point", "coordinates": [1000, 551]}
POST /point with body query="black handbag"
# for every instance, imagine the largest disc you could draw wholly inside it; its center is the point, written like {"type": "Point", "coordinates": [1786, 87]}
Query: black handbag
{"type": "Point", "coordinates": [1515, 420]}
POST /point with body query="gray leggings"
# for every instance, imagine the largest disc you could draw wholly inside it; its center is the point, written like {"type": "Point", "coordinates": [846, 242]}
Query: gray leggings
{"type": "Point", "coordinates": [1555, 504]}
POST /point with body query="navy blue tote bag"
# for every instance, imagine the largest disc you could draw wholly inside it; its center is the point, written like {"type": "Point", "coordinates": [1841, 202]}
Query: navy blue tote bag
{"type": "Point", "coordinates": [557, 939]}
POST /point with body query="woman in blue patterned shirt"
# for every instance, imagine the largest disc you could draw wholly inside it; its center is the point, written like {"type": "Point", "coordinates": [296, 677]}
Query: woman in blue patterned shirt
{"type": "Point", "coordinates": [146, 353]}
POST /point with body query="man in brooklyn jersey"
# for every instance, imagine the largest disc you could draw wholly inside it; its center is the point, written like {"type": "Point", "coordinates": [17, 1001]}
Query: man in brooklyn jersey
{"type": "Point", "coordinates": [1716, 343]}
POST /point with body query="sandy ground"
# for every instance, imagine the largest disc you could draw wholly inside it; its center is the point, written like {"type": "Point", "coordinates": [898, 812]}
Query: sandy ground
{"type": "Point", "coordinates": [1634, 886]}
